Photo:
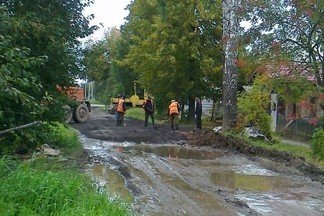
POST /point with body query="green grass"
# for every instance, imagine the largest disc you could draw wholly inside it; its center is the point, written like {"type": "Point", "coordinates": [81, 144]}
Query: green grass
{"type": "Point", "coordinates": [63, 137]}
{"type": "Point", "coordinates": [139, 113]}
{"type": "Point", "coordinates": [48, 186]}
{"type": "Point", "coordinates": [135, 113]}
{"type": "Point", "coordinates": [298, 151]}
{"type": "Point", "coordinates": [35, 188]}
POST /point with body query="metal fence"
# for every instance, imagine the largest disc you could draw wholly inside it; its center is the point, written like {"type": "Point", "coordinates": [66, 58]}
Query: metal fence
{"type": "Point", "coordinates": [295, 129]}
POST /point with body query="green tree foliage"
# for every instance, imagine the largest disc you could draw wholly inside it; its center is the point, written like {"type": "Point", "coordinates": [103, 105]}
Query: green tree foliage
{"type": "Point", "coordinates": [253, 107]}
{"type": "Point", "coordinates": [38, 43]}
{"type": "Point", "coordinates": [286, 41]}
{"type": "Point", "coordinates": [51, 29]}
{"type": "Point", "coordinates": [290, 31]}
{"type": "Point", "coordinates": [318, 144]}
{"type": "Point", "coordinates": [101, 60]}
{"type": "Point", "coordinates": [122, 74]}
{"type": "Point", "coordinates": [175, 48]}
{"type": "Point", "coordinates": [18, 82]}
{"type": "Point", "coordinates": [98, 68]}
{"type": "Point", "coordinates": [291, 89]}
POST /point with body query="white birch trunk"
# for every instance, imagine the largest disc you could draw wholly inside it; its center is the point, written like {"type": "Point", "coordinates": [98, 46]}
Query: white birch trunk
{"type": "Point", "coordinates": [230, 43]}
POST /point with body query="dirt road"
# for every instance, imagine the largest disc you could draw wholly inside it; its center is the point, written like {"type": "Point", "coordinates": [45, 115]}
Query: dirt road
{"type": "Point", "coordinates": [161, 174]}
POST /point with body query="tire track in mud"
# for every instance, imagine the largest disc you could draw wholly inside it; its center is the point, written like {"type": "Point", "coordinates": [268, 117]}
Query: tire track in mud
{"type": "Point", "coordinates": [164, 186]}
{"type": "Point", "coordinates": [172, 179]}
{"type": "Point", "coordinates": [167, 183]}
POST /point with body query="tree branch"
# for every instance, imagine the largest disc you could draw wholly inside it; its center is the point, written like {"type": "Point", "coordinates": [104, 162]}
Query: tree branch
{"type": "Point", "coordinates": [20, 127]}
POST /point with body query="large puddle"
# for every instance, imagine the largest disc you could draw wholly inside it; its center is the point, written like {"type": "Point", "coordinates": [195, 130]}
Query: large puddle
{"type": "Point", "coordinates": [233, 180]}
{"type": "Point", "coordinates": [182, 180]}
{"type": "Point", "coordinates": [113, 182]}
{"type": "Point", "coordinates": [170, 151]}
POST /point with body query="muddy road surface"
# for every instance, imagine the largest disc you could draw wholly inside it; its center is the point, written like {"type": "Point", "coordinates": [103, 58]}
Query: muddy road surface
{"type": "Point", "coordinates": [159, 173]}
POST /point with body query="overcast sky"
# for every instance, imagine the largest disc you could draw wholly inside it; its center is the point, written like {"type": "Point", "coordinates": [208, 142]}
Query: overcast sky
{"type": "Point", "coordinates": [110, 13]}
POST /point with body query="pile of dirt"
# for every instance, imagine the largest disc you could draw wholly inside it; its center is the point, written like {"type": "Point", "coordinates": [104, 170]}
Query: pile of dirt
{"type": "Point", "coordinates": [236, 145]}
{"type": "Point", "coordinates": [102, 125]}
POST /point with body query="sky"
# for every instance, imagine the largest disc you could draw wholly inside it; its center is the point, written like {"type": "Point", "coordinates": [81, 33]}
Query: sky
{"type": "Point", "coordinates": [109, 13]}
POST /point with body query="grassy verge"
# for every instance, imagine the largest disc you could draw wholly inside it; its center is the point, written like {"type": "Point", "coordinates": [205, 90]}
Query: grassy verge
{"type": "Point", "coordinates": [297, 151]}
{"type": "Point", "coordinates": [139, 113]}
{"type": "Point", "coordinates": [49, 186]}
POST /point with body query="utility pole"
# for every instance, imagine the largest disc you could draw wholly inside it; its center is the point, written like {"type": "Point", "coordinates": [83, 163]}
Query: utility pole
{"type": "Point", "coordinates": [230, 49]}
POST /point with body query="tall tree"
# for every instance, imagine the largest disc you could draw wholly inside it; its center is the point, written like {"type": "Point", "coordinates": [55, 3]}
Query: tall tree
{"type": "Point", "coordinates": [50, 29]}
{"type": "Point", "coordinates": [170, 44]}
{"type": "Point", "coordinates": [290, 31]}
{"type": "Point", "coordinates": [101, 61]}
{"type": "Point", "coordinates": [38, 50]}
{"type": "Point", "coordinates": [230, 48]}
{"type": "Point", "coordinates": [124, 76]}
{"type": "Point", "coordinates": [97, 68]}
{"type": "Point", "coordinates": [18, 82]}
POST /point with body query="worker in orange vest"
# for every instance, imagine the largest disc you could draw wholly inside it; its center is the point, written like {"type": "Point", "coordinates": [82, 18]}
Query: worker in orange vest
{"type": "Point", "coordinates": [174, 110]}
{"type": "Point", "coordinates": [121, 109]}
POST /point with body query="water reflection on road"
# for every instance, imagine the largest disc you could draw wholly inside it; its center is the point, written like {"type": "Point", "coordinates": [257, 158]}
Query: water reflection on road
{"type": "Point", "coordinates": [169, 179]}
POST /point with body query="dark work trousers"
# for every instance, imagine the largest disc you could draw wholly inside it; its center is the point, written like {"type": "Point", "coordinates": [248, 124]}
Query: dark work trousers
{"type": "Point", "coordinates": [198, 121]}
{"type": "Point", "coordinates": [174, 120]}
{"type": "Point", "coordinates": [120, 118]}
{"type": "Point", "coordinates": [147, 114]}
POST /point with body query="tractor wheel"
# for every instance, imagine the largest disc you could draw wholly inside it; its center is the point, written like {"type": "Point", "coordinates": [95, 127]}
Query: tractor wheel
{"type": "Point", "coordinates": [68, 113]}
{"type": "Point", "coordinates": [81, 113]}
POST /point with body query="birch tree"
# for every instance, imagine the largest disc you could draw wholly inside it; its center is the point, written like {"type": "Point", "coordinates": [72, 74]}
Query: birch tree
{"type": "Point", "coordinates": [230, 43]}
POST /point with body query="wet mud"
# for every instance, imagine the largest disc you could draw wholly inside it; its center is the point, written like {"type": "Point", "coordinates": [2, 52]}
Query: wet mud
{"type": "Point", "coordinates": [161, 172]}
{"type": "Point", "coordinates": [285, 161]}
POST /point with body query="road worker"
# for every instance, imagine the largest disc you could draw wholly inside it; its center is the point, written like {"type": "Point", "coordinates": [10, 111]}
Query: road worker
{"type": "Point", "coordinates": [198, 113]}
{"type": "Point", "coordinates": [148, 106]}
{"type": "Point", "coordinates": [121, 109]}
{"type": "Point", "coordinates": [174, 110]}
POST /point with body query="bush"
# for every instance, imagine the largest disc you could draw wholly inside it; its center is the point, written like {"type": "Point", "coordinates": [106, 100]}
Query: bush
{"type": "Point", "coordinates": [61, 136]}
{"type": "Point", "coordinates": [55, 134]}
{"type": "Point", "coordinates": [321, 122]}
{"type": "Point", "coordinates": [252, 107]}
{"type": "Point", "coordinates": [318, 143]}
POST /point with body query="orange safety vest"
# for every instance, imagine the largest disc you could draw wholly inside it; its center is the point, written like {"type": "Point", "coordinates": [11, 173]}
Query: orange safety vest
{"type": "Point", "coordinates": [120, 106]}
{"type": "Point", "coordinates": [173, 108]}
